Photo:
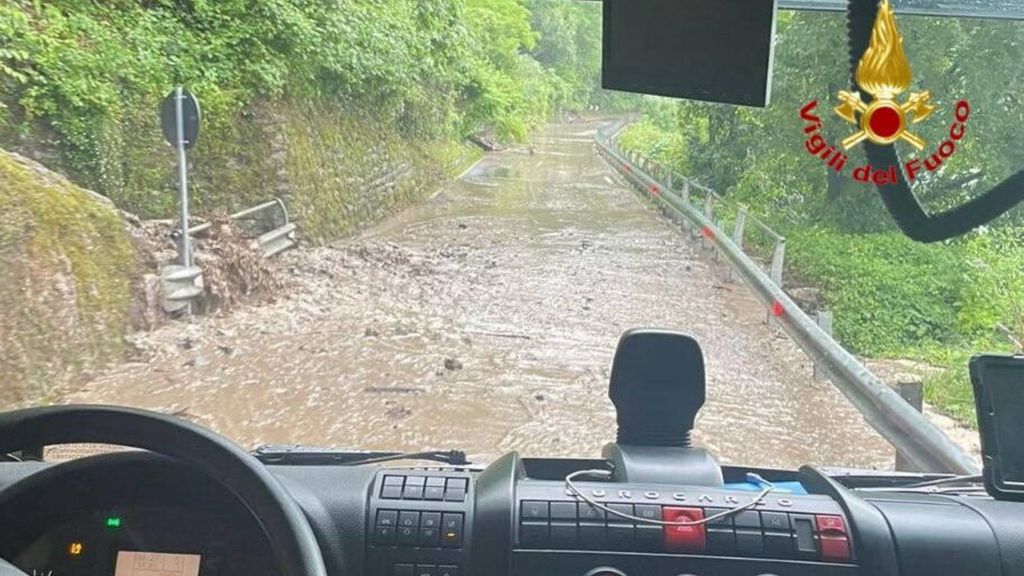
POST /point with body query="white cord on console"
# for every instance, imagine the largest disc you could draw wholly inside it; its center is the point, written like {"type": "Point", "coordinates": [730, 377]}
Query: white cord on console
{"type": "Point", "coordinates": [751, 477]}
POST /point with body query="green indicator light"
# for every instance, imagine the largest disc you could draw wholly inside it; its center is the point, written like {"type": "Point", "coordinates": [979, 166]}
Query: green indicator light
{"type": "Point", "coordinates": [113, 522]}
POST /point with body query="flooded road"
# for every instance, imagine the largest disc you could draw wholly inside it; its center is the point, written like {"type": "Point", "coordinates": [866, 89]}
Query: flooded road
{"type": "Point", "coordinates": [485, 320]}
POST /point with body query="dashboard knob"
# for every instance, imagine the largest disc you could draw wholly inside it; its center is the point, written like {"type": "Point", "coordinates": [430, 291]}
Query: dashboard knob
{"type": "Point", "coordinates": [605, 571]}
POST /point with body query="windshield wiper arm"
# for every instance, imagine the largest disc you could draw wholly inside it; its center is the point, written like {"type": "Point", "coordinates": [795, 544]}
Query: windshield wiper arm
{"type": "Point", "coordinates": [312, 455]}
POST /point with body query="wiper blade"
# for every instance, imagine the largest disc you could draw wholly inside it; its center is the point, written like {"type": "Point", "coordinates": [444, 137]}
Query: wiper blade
{"type": "Point", "coordinates": [294, 454]}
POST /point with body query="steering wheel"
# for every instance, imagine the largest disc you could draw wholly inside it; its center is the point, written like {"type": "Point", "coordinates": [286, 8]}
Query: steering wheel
{"type": "Point", "coordinates": [898, 197]}
{"type": "Point", "coordinates": [288, 531]}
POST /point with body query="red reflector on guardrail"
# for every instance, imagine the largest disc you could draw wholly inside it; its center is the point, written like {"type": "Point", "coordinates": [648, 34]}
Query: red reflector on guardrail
{"type": "Point", "coordinates": [777, 309]}
{"type": "Point", "coordinates": [707, 232]}
{"type": "Point", "coordinates": [627, 168]}
{"type": "Point", "coordinates": [654, 190]}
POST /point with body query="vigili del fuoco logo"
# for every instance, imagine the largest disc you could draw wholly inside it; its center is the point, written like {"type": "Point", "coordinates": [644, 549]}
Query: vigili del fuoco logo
{"type": "Point", "coordinates": [883, 73]}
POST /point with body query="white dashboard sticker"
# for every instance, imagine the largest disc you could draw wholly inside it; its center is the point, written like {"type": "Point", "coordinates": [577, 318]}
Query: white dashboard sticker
{"type": "Point", "coordinates": [156, 564]}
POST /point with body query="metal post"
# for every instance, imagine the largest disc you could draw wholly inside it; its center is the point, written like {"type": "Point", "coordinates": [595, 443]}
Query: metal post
{"type": "Point", "coordinates": [709, 213]}
{"type": "Point", "coordinates": [911, 390]}
{"type": "Point", "coordinates": [823, 318]}
{"type": "Point", "coordinates": [720, 224]}
{"type": "Point", "coordinates": [186, 243]}
{"type": "Point", "coordinates": [741, 221]}
{"type": "Point", "coordinates": [685, 196]}
{"type": "Point", "coordinates": [668, 180]}
{"type": "Point", "coordinates": [737, 236]}
{"type": "Point", "coordinates": [186, 240]}
{"type": "Point", "coordinates": [778, 261]}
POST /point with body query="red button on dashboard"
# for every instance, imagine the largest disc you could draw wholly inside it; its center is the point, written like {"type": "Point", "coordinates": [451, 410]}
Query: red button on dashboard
{"type": "Point", "coordinates": [835, 549]}
{"type": "Point", "coordinates": [834, 524]}
{"type": "Point", "coordinates": [684, 538]}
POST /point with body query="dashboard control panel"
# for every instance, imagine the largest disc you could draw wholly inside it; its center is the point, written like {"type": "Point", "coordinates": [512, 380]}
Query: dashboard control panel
{"type": "Point", "coordinates": [754, 533]}
{"type": "Point", "coordinates": [793, 530]}
{"type": "Point", "coordinates": [418, 521]}
{"type": "Point", "coordinates": [516, 519]}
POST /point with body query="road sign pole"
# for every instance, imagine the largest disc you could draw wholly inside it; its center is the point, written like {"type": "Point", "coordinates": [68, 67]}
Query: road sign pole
{"type": "Point", "coordinates": [186, 241]}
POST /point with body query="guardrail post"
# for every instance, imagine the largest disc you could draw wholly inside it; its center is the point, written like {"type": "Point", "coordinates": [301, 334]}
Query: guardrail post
{"type": "Point", "coordinates": [778, 261]}
{"type": "Point", "coordinates": [668, 181]}
{"type": "Point", "coordinates": [737, 236]}
{"type": "Point", "coordinates": [741, 221]}
{"type": "Point", "coordinates": [823, 318]}
{"type": "Point", "coordinates": [709, 213]}
{"type": "Point", "coordinates": [911, 390]}
{"type": "Point", "coordinates": [720, 224]}
{"type": "Point", "coordinates": [684, 195]}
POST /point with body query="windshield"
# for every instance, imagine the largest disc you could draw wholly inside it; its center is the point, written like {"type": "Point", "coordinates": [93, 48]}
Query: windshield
{"type": "Point", "coordinates": [416, 225]}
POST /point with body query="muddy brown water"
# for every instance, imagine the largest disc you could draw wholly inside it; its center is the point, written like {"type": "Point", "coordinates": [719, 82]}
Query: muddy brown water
{"type": "Point", "coordinates": [485, 319]}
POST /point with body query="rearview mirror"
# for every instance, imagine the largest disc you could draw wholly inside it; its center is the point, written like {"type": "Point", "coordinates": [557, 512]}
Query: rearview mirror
{"type": "Point", "coordinates": [718, 51]}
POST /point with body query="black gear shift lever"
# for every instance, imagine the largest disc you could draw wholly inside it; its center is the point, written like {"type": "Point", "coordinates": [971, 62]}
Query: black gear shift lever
{"type": "Point", "coordinates": [658, 386]}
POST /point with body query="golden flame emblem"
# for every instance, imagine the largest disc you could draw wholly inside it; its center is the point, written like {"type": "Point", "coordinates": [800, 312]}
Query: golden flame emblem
{"type": "Point", "coordinates": [884, 73]}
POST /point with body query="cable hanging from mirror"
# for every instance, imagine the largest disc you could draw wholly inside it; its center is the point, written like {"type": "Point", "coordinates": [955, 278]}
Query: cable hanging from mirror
{"type": "Point", "coordinates": [898, 197]}
{"type": "Point", "coordinates": [570, 484]}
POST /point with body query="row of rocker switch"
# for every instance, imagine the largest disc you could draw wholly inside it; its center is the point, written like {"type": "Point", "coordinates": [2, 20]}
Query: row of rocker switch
{"type": "Point", "coordinates": [422, 529]}
{"type": "Point", "coordinates": [435, 488]}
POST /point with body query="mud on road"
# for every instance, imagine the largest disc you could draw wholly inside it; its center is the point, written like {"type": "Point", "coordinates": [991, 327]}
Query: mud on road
{"type": "Point", "coordinates": [485, 320]}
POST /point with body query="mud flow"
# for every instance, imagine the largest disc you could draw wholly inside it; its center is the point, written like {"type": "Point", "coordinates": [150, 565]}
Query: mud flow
{"type": "Point", "coordinates": [485, 320]}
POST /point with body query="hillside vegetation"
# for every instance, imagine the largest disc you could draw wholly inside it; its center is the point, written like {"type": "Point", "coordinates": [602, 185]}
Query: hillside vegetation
{"type": "Point", "coordinates": [373, 83]}
{"type": "Point", "coordinates": [892, 297]}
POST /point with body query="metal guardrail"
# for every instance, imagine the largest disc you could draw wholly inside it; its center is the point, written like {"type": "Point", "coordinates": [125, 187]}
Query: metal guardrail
{"type": "Point", "coordinates": [179, 283]}
{"type": "Point", "coordinates": [918, 440]}
{"type": "Point", "coordinates": [273, 242]}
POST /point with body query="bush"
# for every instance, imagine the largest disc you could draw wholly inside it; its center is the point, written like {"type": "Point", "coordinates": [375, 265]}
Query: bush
{"type": "Point", "coordinates": [888, 293]}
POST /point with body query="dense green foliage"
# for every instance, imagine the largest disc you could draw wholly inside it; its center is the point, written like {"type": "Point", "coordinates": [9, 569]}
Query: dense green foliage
{"type": "Point", "coordinates": [891, 297]}
{"type": "Point", "coordinates": [889, 293]}
{"type": "Point", "coordinates": [92, 72]}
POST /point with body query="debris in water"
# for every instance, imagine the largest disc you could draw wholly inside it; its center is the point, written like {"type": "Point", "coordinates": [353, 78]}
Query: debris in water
{"type": "Point", "coordinates": [398, 412]}
{"type": "Point", "coordinates": [233, 269]}
{"type": "Point", "coordinates": [393, 390]}
{"type": "Point", "coordinates": [452, 364]}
